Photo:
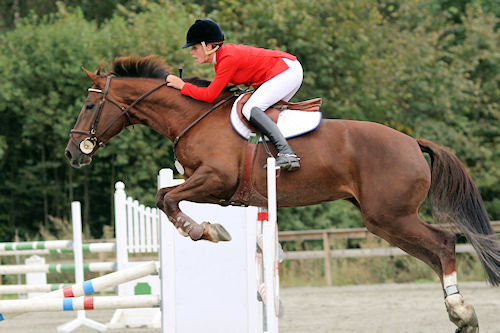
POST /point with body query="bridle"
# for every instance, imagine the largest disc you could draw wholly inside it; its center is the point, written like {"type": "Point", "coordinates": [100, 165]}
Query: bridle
{"type": "Point", "coordinates": [88, 144]}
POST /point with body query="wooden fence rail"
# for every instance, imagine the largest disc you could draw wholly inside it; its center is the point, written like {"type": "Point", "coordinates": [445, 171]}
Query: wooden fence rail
{"type": "Point", "coordinates": [327, 254]}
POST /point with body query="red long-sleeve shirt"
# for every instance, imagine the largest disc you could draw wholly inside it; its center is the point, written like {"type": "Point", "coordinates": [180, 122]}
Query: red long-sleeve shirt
{"type": "Point", "coordinates": [239, 64]}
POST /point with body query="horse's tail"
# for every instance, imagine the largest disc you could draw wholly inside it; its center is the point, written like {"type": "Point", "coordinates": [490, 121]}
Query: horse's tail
{"type": "Point", "coordinates": [455, 199]}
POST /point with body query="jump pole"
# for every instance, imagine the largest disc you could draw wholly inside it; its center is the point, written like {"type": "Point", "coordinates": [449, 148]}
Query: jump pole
{"type": "Point", "coordinates": [95, 285]}
{"type": "Point", "coordinates": [79, 304]}
{"type": "Point", "coordinates": [48, 247]}
{"type": "Point", "coordinates": [57, 268]}
{"type": "Point", "coordinates": [36, 288]}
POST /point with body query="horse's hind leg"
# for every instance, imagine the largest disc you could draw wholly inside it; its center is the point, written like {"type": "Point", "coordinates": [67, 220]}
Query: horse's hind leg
{"type": "Point", "coordinates": [436, 247]}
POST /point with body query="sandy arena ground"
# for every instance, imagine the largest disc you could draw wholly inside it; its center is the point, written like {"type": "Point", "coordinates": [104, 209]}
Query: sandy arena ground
{"type": "Point", "coordinates": [398, 308]}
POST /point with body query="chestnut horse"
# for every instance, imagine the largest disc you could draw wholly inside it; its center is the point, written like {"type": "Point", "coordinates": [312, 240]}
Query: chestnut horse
{"type": "Point", "coordinates": [380, 170]}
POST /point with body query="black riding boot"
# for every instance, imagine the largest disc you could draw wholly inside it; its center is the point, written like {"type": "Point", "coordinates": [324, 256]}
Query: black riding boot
{"type": "Point", "coordinates": [286, 156]}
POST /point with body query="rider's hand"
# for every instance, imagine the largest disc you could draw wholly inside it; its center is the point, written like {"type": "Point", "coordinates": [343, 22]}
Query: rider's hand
{"type": "Point", "coordinates": [175, 82]}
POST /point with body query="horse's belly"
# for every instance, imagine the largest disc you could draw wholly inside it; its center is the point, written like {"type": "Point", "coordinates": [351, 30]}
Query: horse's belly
{"type": "Point", "coordinates": [309, 186]}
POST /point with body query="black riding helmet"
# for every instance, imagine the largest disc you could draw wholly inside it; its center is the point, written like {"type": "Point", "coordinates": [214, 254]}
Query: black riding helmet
{"type": "Point", "coordinates": [203, 31]}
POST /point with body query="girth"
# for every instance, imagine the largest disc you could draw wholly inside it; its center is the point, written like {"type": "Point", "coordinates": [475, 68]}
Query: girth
{"type": "Point", "coordinates": [245, 191]}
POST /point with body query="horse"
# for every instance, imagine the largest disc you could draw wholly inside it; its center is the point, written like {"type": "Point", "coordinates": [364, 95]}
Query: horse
{"type": "Point", "coordinates": [381, 171]}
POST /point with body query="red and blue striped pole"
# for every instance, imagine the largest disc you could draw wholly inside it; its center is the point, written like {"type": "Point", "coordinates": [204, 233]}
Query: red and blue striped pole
{"type": "Point", "coordinates": [79, 303]}
{"type": "Point", "coordinates": [95, 285]}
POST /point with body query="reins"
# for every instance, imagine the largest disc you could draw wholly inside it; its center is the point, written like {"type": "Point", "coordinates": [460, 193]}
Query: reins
{"type": "Point", "coordinates": [125, 110]}
{"type": "Point", "coordinates": [88, 144]}
{"type": "Point", "coordinates": [235, 94]}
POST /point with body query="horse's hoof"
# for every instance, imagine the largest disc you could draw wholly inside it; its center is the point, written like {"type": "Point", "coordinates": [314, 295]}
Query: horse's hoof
{"type": "Point", "coordinates": [468, 329]}
{"type": "Point", "coordinates": [215, 232]}
{"type": "Point", "coordinates": [461, 314]}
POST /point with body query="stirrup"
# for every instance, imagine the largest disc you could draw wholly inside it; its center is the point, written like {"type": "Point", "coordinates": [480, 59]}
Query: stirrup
{"type": "Point", "coordinates": [289, 162]}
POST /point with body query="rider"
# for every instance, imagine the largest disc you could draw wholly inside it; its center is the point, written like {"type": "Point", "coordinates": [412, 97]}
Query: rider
{"type": "Point", "coordinates": [276, 75]}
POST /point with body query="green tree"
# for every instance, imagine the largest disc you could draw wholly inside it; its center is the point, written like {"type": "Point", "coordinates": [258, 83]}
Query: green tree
{"type": "Point", "coordinates": [410, 65]}
{"type": "Point", "coordinates": [42, 91]}
{"type": "Point", "coordinates": [394, 63]}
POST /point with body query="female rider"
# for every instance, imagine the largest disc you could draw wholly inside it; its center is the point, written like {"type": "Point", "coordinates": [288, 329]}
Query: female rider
{"type": "Point", "coordinates": [275, 75]}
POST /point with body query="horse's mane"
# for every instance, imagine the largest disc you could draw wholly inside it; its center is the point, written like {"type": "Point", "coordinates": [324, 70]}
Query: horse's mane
{"type": "Point", "coordinates": [149, 67]}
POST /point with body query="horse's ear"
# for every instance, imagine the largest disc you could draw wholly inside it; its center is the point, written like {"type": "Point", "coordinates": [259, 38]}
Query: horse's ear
{"type": "Point", "coordinates": [99, 68]}
{"type": "Point", "coordinates": [92, 76]}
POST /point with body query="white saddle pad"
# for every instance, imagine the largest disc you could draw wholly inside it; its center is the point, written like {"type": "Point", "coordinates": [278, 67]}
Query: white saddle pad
{"type": "Point", "coordinates": [291, 123]}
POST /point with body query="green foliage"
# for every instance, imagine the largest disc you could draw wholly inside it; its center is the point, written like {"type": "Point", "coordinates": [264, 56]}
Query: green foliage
{"type": "Point", "coordinates": [396, 63]}
{"type": "Point", "coordinates": [42, 91]}
{"type": "Point", "coordinates": [94, 10]}
{"type": "Point", "coordinates": [429, 68]}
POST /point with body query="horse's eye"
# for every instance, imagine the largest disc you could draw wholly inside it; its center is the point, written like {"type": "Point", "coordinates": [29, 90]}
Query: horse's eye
{"type": "Point", "coordinates": [89, 106]}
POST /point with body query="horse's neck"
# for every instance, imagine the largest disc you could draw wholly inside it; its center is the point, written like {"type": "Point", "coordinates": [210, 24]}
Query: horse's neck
{"type": "Point", "coordinates": [166, 111]}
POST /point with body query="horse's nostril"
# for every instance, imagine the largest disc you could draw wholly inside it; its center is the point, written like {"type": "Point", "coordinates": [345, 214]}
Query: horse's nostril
{"type": "Point", "coordinates": [68, 154]}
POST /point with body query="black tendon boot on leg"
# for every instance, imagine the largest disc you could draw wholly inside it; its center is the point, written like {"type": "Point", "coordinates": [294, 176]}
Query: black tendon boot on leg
{"type": "Point", "coordinates": [286, 157]}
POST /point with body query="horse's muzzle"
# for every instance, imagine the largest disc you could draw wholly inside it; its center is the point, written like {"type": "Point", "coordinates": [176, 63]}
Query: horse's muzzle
{"type": "Point", "coordinates": [76, 158]}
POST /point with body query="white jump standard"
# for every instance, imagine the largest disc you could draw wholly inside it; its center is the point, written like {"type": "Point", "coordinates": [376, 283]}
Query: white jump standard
{"type": "Point", "coordinates": [225, 274]}
{"type": "Point", "coordinates": [270, 252]}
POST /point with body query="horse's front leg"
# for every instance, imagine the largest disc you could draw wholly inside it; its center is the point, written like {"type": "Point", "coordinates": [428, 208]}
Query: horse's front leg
{"type": "Point", "coordinates": [196, 188]}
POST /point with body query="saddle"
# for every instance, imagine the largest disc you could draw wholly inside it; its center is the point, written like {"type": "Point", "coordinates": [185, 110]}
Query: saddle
{"type": "Point", "coordinates": [311, 105]}
{"type": "Point", "coordinates": [298, 119]}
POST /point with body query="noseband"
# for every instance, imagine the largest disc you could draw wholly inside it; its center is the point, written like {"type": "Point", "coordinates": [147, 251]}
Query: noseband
{"type": "Point", "coordinates": [88, 144]}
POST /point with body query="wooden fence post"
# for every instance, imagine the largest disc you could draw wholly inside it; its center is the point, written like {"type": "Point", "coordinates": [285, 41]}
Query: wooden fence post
{"type": "Point", "coordinates": [328, 259]}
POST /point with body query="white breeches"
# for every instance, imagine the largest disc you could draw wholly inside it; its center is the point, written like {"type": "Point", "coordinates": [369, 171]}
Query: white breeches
{"type": "Point", "coordinates": [281, 87]}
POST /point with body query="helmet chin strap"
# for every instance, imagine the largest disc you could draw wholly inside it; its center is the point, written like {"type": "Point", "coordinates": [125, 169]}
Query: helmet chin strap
{"type": "Point", "coordinates": [207, 52]}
